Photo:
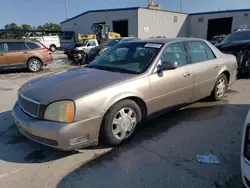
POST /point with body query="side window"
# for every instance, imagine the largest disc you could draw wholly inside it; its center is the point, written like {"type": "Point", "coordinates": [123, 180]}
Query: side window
{"type": "Point", "coordinates": [16, 46]}
{"type": "Point", "coordinates": [175, 53]}
{"type": "Point", "coordinates": [210, 54]}
{"type": "Point", "coordinates": [33, 46]}
{"type": "Point", "coordinates": [91, 43]}
{"type": "Point", "coordinates": [197, 51]}
{"type": "Point", "coordinates": [1, 47]}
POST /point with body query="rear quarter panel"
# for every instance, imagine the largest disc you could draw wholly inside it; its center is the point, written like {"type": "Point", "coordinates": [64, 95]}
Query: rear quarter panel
{"type": "Point", "coordinates": [228, 63]}
{"type": "Point", "coordinates": [45, 57]}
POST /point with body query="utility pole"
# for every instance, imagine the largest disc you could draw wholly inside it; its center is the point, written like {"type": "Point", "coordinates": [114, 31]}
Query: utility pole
{"type": "Point", "coordinates": [180, 5]}
{"type": "Point", "coordinates": [66, 8]}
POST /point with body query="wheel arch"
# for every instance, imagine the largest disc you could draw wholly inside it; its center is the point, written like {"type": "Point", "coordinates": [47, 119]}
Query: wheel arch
{"type": "Point", "coordinates": [34, 57]}
{"type": "Point", "coordinates": [138, 100]}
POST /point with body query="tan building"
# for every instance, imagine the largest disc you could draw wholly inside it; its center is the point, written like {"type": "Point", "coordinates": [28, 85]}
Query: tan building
{"type": "Point", "coordinates": [145, 22]}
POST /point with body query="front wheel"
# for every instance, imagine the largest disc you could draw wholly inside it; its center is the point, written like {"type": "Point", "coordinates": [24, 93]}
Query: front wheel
{"type": "Point", "coordinates": [219, 88]}
{"type": "Point", "coordinates": [120, 122]}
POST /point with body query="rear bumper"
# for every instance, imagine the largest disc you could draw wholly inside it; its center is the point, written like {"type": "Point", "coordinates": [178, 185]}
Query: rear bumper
{"type": "Point", "coordinates": [58, 135]}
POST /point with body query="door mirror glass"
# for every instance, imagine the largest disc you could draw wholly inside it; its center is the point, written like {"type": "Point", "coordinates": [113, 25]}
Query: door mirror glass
{"type": "Point", "coordinates": [167, 65]}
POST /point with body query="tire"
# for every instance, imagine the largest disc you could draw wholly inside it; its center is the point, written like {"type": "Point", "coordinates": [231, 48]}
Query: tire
{"type": "Point", "coordinates": [34, 65]}
{"type": "Point", "coordinates": [113, 130]}
{"type": "Point", "coordinates": [52, 48]}
{"type": "Point", "coordinates": [217, 95]}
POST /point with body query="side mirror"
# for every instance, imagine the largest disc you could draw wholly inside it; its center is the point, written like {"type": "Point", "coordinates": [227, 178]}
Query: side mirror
{"type": "Point", "coordinates": [88, 45]}
{"type": "Point", "coordinates": [167, 65]}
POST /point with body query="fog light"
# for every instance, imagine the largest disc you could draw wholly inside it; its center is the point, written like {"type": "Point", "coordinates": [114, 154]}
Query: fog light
{"type": "Point", "coordinates": [79, 140]}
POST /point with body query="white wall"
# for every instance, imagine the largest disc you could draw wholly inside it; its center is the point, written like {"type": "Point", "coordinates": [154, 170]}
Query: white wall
{"type": "Point", "coordinates": [199, 29]}
{"type": "Point", "coordinates": [161, 23]}
{"type": "Point", "coordinates": [82, 24]}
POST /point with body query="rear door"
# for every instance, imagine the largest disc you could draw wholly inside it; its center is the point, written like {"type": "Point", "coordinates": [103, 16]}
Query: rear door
{"type": "Point", "coordinates": [3, 59]}
{"type": "Point", "coordinates": [17, 53]}
{"type": "Point", "coordinates": [205, 66]}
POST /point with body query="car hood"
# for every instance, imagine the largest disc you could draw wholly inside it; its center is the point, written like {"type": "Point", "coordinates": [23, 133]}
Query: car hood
{"type": "Point", "coordinates": [70, 84]}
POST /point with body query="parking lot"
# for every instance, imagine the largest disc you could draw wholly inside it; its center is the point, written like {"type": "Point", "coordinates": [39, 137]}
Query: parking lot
{"type": "Point", "coordinates": [162, 154]}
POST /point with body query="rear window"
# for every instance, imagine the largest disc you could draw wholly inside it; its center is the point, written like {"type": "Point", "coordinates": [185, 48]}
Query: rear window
{"type": "Point", "coordinates": [1, 47]}
{"type": "Point", "coordinates": [17, 46]}
{"type": "Point", "coordinates": [33, 46]}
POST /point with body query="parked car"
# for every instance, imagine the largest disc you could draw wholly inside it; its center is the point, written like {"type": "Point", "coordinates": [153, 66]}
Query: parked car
{"type": "Point", "coordinates": [24, 54]}
{"type": "Point", "coordinates": [85, 45]}
{"type": "Point", "coordinates": [217, 39]}
{"type": "Point", "coordinates": [117, 91]}
{"type": "Point", "coordinates": [51, 42]}
{"type": "Point", "coordinates": [238, 44]}
{"type": "Point", "coordinates": [245, 152]}
{"type": "Point", "coordinates": [95, 52]}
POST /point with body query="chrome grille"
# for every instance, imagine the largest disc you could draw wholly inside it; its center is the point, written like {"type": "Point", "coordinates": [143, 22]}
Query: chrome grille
{"type": "Point", "coordinates": [28, 105]}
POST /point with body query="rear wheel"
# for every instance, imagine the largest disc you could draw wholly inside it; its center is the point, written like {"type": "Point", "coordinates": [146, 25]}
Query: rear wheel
{"type": "Point", "coordinates": [34, 65]}
{"type": "Point", "coordinates": [52, 48]}
{"type": "Point", "coordinates": [219, 88]}
{"type": "Point", "coordinates": [120, 122]}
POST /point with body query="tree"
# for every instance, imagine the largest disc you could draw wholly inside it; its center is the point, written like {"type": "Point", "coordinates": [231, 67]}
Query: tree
{"type": "Point", "coordinates": [16, 35]}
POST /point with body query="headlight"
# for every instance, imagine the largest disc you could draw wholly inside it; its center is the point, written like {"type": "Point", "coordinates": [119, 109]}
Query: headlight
{"type": "Point", "coordinates": [62, 111]}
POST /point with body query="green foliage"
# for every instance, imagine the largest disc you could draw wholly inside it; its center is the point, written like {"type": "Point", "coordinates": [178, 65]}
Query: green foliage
{"type": "Point", "coordinates": [18, 35]}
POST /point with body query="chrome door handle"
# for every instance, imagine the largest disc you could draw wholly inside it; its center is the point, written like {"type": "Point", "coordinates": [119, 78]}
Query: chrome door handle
{"type": "Point", "coordinates": [216, 67]}
{"type": "Point", "coordinates": [186, 74]}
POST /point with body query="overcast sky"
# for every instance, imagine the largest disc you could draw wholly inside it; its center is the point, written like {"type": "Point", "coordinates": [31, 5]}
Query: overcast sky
{"type": "Point", "coordinates": [37, 12]}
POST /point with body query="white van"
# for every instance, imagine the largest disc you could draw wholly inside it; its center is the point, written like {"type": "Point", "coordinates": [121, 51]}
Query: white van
{"type": "Point", "coordinates": [51, 42]}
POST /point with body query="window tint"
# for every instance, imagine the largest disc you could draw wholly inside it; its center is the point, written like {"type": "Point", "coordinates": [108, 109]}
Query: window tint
{"type": "Point", "coordinates": [210, 54]}
{"type": "Point", "coordinates": [92, 43]}
{"type": "Point", "coordinates": [16, 46]}
{"type": "Point", "coordinates": [197, 51]}
{"type": "Point", "coordinates": [1, 47]}
{"type": "Point", "coordinates": [238, 36]}
{"type": "Point", "coordinates": [175, 53]}
{"type": "Point", "coordinates": [33, 45]}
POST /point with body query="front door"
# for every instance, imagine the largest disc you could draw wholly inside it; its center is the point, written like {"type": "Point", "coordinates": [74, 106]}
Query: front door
{"type": "Point", "coordinates": [17, 53]}
{"type": "Point", "coordinates": [3, 59]}
{"type": "Point", "coordinates": [170, 88]}
{"type": "Point", "coordinates": [205, 68]}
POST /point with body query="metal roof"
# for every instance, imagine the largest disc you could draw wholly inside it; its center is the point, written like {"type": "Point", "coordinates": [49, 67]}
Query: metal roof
{"type": "Point", "coordinates": [219, 12]}
{"type": "Point", "coordinates": [102, 10]}
{"type": "Point", "coordinates": [16, 40]}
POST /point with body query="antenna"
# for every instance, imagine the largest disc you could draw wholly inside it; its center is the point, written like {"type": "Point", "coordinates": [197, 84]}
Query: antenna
{"type": "Point", "coordinates": [66, 8]}
{"type": "Point", "coordinates": [150, 2]}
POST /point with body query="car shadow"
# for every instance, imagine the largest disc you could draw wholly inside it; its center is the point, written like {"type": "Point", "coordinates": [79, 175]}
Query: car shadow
{"type": "Point", "coordinates": [16, 148]}
{"type": "Point", "coordinates": [195, 116]}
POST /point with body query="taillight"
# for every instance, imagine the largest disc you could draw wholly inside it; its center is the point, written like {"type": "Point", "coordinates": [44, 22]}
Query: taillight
{"type": "Point", "coordinates": [46, 49]}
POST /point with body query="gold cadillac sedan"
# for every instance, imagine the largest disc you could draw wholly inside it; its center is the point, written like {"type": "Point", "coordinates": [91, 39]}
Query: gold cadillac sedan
{"type": "Point", "coordinates": [120, 89]}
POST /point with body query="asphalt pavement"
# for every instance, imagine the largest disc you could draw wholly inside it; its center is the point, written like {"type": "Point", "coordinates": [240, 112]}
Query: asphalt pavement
{"type": "Point", "coordinates": [162, 154]}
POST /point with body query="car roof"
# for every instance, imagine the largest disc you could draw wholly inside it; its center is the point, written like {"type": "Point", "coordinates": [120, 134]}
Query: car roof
{"type": "Point", "coordinates": [168, 40]}
{"type": "Point", "coordinates": [15, 40]}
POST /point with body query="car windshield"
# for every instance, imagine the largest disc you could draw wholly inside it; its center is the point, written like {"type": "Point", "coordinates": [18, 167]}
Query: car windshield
{"type": "Point", "coordinates": [238, 36]}
{"type": "Point", "coordinates": [133, 58]}
{"type": "Point", "coordinates": [112, 42]}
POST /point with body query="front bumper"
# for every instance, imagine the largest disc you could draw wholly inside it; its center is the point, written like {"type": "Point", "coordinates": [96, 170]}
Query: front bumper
{"type": "Point", "coordinates": [58, 135]}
